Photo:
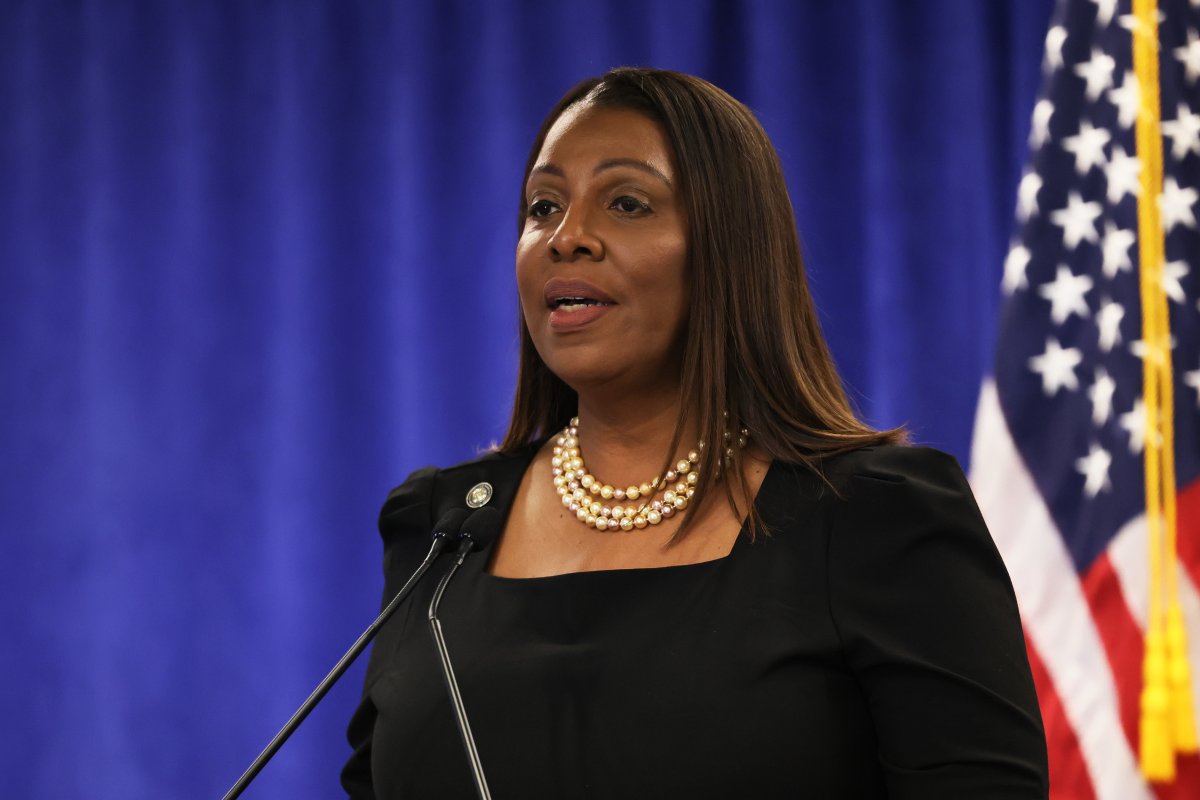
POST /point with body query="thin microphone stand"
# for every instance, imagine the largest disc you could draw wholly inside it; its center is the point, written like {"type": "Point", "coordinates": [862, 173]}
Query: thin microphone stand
{"type": "Point", "coordinates": [439, 543]}
{"type": "Point", "coordinates": [460, 712]}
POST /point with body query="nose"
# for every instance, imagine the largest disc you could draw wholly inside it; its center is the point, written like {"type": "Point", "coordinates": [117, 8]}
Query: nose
{"type": "Point", "coordinates": [574, 239]}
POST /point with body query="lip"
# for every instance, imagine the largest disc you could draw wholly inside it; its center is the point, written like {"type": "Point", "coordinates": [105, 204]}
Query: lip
{"type": "Point", "coordinates": [558, 288]}
{"type": "Point", "coordinates": [563, 321]}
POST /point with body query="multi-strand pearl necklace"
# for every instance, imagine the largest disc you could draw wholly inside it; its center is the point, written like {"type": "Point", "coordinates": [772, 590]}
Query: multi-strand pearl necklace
{"type": "Point", "coordinates": [582, 493]}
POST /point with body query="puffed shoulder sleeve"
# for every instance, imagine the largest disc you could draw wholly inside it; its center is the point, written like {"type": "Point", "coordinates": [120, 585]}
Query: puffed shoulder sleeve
{"type": "Point", "coordinates": [404, 524]}
{"type": "Point", "coordinates": [929, 625]}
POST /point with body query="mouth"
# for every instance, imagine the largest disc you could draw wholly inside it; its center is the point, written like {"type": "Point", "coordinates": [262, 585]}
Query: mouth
{"type": "Point", "coordinates": [575, 304]}
{"type": "Point", "coordinates": [574, 295]}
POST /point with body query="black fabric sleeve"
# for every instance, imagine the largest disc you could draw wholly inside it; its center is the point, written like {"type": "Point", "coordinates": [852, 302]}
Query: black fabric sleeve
{"type": "Point", "coordinates": [929, 626]}
{"type": "Point", "coordinates": [404, 524]}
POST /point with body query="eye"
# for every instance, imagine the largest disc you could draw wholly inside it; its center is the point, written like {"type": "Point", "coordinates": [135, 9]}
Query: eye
{"type": "Point", "coordinates": [541, 208]}
{"type": "Point", "coordinates": [629, 205]}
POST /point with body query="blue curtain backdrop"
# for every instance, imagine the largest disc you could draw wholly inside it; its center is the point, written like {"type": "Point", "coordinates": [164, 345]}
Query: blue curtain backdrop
{"type": "Point", "coordinates": [256, 266]}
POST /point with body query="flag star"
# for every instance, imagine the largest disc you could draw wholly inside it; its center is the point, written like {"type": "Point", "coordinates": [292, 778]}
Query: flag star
{"type": "Point", "coordinates": [1127, 99]}
{"type": "Point", "coordinates": [1097, 72]}
{"type": "Point", "coordinates": [1189, 56]}
{"type": "Point", "coordinates": [1014, 268]}
{"type": "Point", "coordinates": [1175, 203]}
{"type": "Point", "coordinates": [1134, 423]}
{"type": "Point", "coordinates": [1094, 468]}
{"type": "Point", "coordinates": [1192, 379]}
{"type": "Point", "coordinates": [1087, 146]}
{"type": "Point", "coordinates": [1057, 367]}
{"type": "Point", "coordinates": [1115, 246]}
{"type": "Point", "coordinates": [1055, 37]}
{"type": "Point", "coordinates": [1131, 23]}
{"type": "Point", "coordinates": [1108, 318]}
{"type": "Point", "coordinates": [1101, 394]}
{"type": "Point", "coordinates": [1123, 175]}
{"type": "Point", "coordinates": [1078, 220]}
{"type": "Point", "coordinates": [1027, 193]}
{"type": "Point", "coordinates": [1039, 130]}
{"type": "Point", "coordinates": [1065, 294]}
{"type": "Point", "coordinates": [1172, 273]}
{"type": "Point", "coordinates": [1183, 131]}
{"type": "Point", "coordinates": [1154, 353]}
{"type": "Point", "coordinates": [1104, 11]}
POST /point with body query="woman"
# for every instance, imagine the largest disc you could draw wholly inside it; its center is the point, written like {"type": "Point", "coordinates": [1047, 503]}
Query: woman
{"type": "Point", "coordinates": [743, 591]}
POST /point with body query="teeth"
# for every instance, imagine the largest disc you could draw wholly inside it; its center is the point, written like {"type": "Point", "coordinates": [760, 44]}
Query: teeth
{"type": "Point", "coordinates": [575, 303]}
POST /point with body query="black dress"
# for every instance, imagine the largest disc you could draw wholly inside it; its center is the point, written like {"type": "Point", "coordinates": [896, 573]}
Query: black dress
{"type": "Point", "coordinates": [869, 648]}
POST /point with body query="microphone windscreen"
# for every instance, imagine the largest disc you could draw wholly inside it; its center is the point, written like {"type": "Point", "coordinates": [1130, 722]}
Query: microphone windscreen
{"type": "Point", "coordinates": [483, 526]}
{"type": "Point", "coordinates": [451, 523]}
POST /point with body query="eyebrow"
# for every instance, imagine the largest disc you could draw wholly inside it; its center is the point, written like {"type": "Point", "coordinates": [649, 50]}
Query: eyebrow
{"type": "Point", "coordinates": [608, 163]}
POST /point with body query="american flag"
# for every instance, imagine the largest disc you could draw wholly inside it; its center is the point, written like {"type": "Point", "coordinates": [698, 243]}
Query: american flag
{"type": "Point", "coordinates": [1060, 432]}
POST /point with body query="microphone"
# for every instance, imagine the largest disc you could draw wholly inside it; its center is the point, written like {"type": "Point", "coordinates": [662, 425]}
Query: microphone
{"type": "Point", "coordinates": [477, 532]}
{"type": "Point", "coordinates": [447, 529]}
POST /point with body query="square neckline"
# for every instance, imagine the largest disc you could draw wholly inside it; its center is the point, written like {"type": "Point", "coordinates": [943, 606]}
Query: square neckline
{"type": "Point", "coordinates": [710, 563]}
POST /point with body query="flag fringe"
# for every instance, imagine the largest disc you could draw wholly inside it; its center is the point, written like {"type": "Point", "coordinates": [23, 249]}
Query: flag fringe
{"type": "Point", "coordinates": [1167, 724]}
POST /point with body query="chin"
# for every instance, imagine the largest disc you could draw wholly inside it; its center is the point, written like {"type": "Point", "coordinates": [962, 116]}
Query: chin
{"type": "Point", "coordinates": [582, 376]}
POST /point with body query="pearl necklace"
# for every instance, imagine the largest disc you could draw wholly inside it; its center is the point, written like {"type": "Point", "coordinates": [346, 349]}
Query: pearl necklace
{"type": "Point", "coordinates": [582, 493]}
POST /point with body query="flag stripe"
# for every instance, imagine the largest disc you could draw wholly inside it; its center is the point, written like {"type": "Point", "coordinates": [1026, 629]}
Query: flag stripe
{"type": "Point", "coordinates": [1069, 778]}
{"type": "Point", "coordinates": [1122, 639]}
{"type": "Point", "coordinates": [1128, 559]}
{"type": "Point", "coordinates": [1057, 617]}
{"type": "Point", "coordinates": [1130, 562]}
{"type": "Point", "coordinates": [1188, 510]}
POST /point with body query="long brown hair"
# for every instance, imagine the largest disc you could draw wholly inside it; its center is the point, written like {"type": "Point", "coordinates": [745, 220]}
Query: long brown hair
{"type": "Point", "coordinates": [755, 356]}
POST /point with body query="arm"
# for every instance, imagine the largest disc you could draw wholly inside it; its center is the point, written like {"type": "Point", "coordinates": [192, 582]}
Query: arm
{"type": "Point", "coordinates": [929, 625]}
{"type": "Point", "coordinates": [356, 774]}
{"type": "Point", "coordinates": [404, 519]}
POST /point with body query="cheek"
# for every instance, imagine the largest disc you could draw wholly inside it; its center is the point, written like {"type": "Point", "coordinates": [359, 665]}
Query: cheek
{"type": "Point", "coordinates": [666, 275]}
{"type": "Point", "coordinates": [528, 282]}
{"type": "Point", "coordinates": [676, 264]}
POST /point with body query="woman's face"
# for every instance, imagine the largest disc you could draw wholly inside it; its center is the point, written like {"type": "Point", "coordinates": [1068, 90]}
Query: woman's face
{"type": "Point", "coordinates": [602, 260]}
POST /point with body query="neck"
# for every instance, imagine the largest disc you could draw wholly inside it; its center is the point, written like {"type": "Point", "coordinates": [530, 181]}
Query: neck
{"type": "Point", "coordinates": [626, 443]}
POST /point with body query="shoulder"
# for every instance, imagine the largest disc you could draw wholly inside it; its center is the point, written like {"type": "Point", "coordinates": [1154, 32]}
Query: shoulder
{"type": "Point", "coordinates": [904, 465]}
{"type": "Point", "coordinates": [427, 493]}
{"type": "Point", "coordinates": [909, 555]}
{"type": "Point", "coordinates": [885, 473]}
{"type": "Point", "coordinates": [887, 492]}
{"type": "Point", "coordinates": [928, 622]}
{"type": "Point", "coordinates": [904, 516]}
{"type": "Point", "coordinates": [902, 488]}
